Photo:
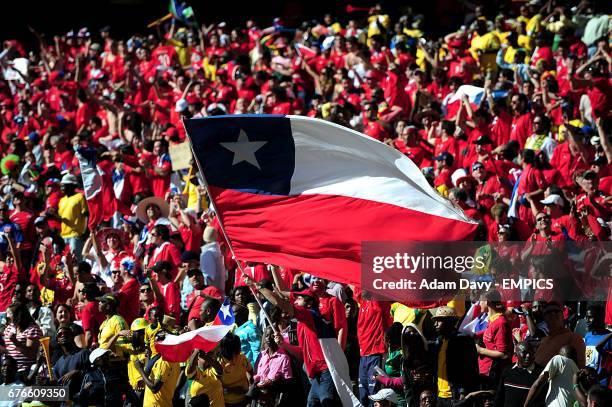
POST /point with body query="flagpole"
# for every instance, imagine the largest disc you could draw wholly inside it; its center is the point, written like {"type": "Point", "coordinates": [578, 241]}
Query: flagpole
{"type": "Point", "coordinates": [229, 242]}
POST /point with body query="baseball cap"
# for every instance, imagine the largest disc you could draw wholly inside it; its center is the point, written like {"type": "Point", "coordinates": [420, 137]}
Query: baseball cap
{"type": "Point", "coordinates": [446, 157]}
{"type": "Point", "coordinates": [552, 199]}
{"type": "Point", "coordinates": [600, 160]}
{"type": "Point", "coordinates": [138, 324]}
{"type": "Point", "coordinates": [96, 354]}
{"type": "Point", "coordinates": [40, 219]}
{"type": "Point", "coordinates": [589, 175]}
{"type": "Point", "coordinates": [442, 156]}
{"type": "Point", "coordinates": [385, 395]}
{"type": "Point", "coordinates": [109, 298]}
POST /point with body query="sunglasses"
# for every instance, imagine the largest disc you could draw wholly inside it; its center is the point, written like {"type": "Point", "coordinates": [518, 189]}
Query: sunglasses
{"type": "Point", "coordinates": [542, 218]}
{"type": "Point", "coordinates": [116, 271]}
{"type": "Point", "coordinates": [145, 290]}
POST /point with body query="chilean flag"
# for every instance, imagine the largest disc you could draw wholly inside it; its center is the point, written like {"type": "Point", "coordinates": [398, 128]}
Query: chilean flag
{"type": "Point", "coordinates": [98, 191]}
{"type": "Point", "coordinates": [178, 348]}
{"type": "Point", "coordinates": [305, 193]}
{"type": "Point", "coordinates": [474, 94]}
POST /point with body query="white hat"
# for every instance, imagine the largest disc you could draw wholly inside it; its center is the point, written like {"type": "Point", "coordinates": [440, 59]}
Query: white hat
{"type": "Point", "coordinates": [552, 199]}
{"type": "Point", "coordinates": [69, 179]}
{"type": "Point", "coordinates": [386, 395]}
{"type": "Point", "coordinates": [459, 176]}
{"type": "Point", "coordinates": [141, 208]}
{"type": "Point", "coordinates": [181, 105]}
{"type": "Point", "coordinates": [97, 353]}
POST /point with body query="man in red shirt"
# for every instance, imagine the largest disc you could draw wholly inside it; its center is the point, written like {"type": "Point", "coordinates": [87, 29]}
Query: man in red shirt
{"type": "Point", "coordinates": [160, 169]}
{"type": "Point", "coordinates": [91, 317]}
{"type": "Point", "coordinates": [522, 122]}
{"type": "Point", "coordinates": [374, 317]}
{"type": "Point", "coordinates": [162, 249]}
{"type": "Point", "coordinates": [444, 169]}
{"type": "Point", "coordinates": [489, 188]}
{"type": "Point", "coordinates": [200, 293]}
{"type": "Point", "coordinates": [372, 126]}
{"type": "Point", "coordinates": [165, 289]}
{"type": "Point", "coordinates": [531, 184]}
{"type": "Point", "coordinates": [331, 309]}
{"type": "Point", "coordinates": [128, 295]}
{"type": "Point", "coordinates": [572, 156]}
{"type": "Point", "coordinates": [25, 220]}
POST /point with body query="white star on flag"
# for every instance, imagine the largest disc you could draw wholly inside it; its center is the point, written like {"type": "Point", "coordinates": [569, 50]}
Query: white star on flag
{"type": "Point", "coordinates": [225, 310]}
{"type": "Point", "coordinates": [244, 150]}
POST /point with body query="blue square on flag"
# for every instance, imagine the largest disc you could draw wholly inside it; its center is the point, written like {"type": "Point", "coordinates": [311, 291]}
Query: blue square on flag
{"type": "Point", "coordinates": [249, 153]}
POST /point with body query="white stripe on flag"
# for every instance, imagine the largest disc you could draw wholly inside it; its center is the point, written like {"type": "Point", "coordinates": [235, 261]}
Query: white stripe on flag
{"type": "Point", "coordinates": [360, 167]}
{"type": "Point", "coordinates": [339, 370]}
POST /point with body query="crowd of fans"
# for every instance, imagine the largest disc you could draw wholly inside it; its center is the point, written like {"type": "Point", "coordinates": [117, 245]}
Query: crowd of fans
{"type": "Point", "coordinates": [529, 159]}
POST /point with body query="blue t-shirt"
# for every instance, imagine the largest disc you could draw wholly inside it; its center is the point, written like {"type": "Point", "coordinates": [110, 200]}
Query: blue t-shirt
{"type": "Point", "coordinates": [593, 355]}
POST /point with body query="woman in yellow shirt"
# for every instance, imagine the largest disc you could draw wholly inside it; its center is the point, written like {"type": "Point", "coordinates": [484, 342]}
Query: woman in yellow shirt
{"type": "Point", "coordinates": [205, 373]}
{"type": "Point", "coordinates": [237, 371]}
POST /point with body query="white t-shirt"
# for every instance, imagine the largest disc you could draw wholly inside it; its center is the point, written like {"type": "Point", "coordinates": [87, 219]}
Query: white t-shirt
{"type": "Point", "coordinates": [560, 377]}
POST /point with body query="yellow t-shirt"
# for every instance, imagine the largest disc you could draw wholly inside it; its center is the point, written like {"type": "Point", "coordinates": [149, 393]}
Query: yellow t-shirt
{"type": "Point", "coordinates": [108, 329]}
{"type": "Point", "coordinates": [206, 381]}
{"type": "Point", "coordinates": [150, 337]}
{"type": "Point", "coordinates": [234, 375]}
{"type": "Point", "coordinates": [533, 26]}
{"type": "Point", "coordinates": [169, 374]}
{"type": "Point", "coordinates": [444, 390]}
{"type": "Point", "coordinates": [133, 375]}
{"type": "Point", "coordinates": [192, 195]}
{"type": "Point", "coordinates": [73, 209]}
{"type": "Point", "coordinates": [526, 42]}
{"type": "Point", "coordinates": [182, 51]}
{"type": "Point", "coordinates": [487, 44]}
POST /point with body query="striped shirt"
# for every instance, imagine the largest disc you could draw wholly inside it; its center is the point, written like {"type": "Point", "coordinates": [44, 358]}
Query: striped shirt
{"type": "Point", "coordinates": [33, 332]}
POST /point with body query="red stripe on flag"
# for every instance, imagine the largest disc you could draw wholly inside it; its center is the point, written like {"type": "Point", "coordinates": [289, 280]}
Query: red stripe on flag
{"type": "Point", "coordinates": [322, 234]}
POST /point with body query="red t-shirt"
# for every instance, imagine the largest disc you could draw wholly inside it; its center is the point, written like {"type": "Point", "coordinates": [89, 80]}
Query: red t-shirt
{"type": "Point", "coordinates": [332, 309]}
{"type": "Point", "coordinates": [194, 302]}
{"type": "Point", "coordinates": [172, 299]}
{"type": "Point", "coordinates": [161, 183]}
{"type": "Point", "coordinates": [166, 252]}
{"type": "Point", "coordinates": [376, 130]}
{"type": "Point", "coordinates": [374, 318]}
{"type": "Point", "coordinates": [308, 340]}
{"type": "Point", "coordinates": [129, 300]}
{"type": "Point", "coordinates": [497, 336]}
{"type": "Point", "coordinates": [91, 318]}
{"type": "Point", "coordinates": [522, 128]}
{"type": "Point", "coordinates": [501, 128]}
{"type": "Point", "coordinates": [567, 164]}
{"type": "Point", "coordinates": [192, 236]}
{"type": "Point", "coordinates": [25, 221]}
